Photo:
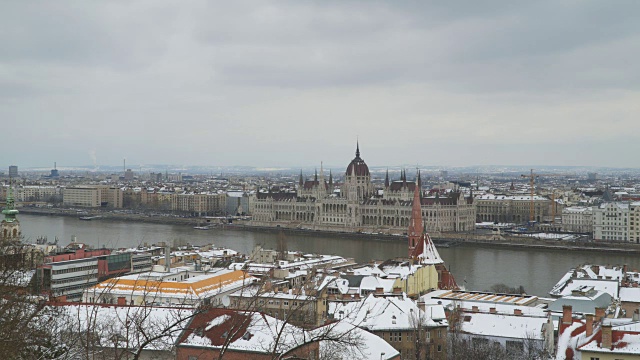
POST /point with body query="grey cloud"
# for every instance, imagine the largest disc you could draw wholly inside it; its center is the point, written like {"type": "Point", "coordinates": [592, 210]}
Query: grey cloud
{"type": "Point", "coordinates": [290, 77]}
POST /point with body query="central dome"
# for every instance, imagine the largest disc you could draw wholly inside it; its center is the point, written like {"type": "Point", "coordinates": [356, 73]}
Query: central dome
{"type": "Point", "coordinates": [357, 165]}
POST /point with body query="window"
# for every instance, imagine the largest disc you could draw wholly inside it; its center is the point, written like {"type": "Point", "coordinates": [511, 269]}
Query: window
{"type": "Point", "coordinates": [439, 348]}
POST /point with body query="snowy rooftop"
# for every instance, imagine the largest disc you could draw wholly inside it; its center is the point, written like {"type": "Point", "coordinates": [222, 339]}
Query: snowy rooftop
{"type": "Point", "coordinates": [120, 320]}
{"type": "Point", "coordinates": [384, 313]}
{"type": "Point", "coordinates": [500, 325]}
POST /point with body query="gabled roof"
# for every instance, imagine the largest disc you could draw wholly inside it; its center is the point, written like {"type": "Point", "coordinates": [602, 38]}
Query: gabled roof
{"type": "Point", "coordinates": [243, 331]}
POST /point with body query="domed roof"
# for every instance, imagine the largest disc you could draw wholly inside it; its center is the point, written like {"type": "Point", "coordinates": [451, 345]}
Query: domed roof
{"type": "Point", "coordinates": [358, 165]}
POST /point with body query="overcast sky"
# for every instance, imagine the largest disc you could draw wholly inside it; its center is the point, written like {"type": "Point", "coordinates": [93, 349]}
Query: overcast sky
{"type": "Point", "coordinates": [291, 83]}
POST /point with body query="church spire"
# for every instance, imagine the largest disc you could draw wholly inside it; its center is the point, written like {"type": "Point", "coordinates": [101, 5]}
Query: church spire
{"type": "Point", "coordinates": [415, 223]}
{"type": "Point", "coordinates": [330, 181]}
{"type": "Point", "coordinates": [357, 148]}
{"type": "Point", "coordinates": [301, 180]}
{"type": "Point", "coordinates": [386, 179]}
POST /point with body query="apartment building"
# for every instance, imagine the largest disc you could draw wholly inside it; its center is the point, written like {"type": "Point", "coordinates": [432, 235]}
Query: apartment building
{"type": "Point", "coordinates": [93, 196]}
{"type": "Point", "coordinates": [611, 222]}
{"type": "Point", "coordinates": [512, 208]}
{"type": "Point", "coordinates": [634, 222]}
{"type": "Point", "coordinates": [36, 193]}
{"type": "Point", "coordinates": [577, 219]}
{"type": "Point", "coordinates": [81, 197]}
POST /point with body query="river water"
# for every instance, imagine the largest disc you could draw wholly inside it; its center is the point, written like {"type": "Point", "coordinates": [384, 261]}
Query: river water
{"type": "Point", "coordinates": [477, 268]}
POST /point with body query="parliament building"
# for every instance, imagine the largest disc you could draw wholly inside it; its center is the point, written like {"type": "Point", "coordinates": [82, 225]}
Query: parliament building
{"type": "Point", "coordinates": [358, 206]}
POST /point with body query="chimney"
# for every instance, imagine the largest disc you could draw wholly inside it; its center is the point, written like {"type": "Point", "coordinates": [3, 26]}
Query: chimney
{"type": "Point", "coordinates": [567, 314]}
{"type": "Point", "coordinates": [379, 291]}
{"type": "Point", "coordinates": [590, 324]}
{"type": "Point", "coordinates": [397, 290]}
{"type": "Point", "coordinates": [122, 301]}
{"type": "Point", "coordinates": [167, 258]}
{"type": "Point", "coordinates": [600, 314]}
{"type": "Point", "coordinates": [492, 310]}
{"type": "Point", "coordinates": [517, 312]}
{"type": "Point", "coordinates": [606, 336]}
{"type": "Point", "coordinates": [474, 309]}
{"type": "Point", "coordinates": [421, 305]}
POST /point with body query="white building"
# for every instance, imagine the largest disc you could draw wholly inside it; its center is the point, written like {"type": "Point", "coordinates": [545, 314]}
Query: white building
{"type": "Point", "coordinates": [577, 219]}
{"type": "Point", "coordinates": [634, 222]}
{"type": "Point", "coordinates": [611, 222]}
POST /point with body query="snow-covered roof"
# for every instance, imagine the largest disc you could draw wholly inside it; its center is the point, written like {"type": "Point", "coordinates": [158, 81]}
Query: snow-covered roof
{"type": "Point", "coordinates": [386, 313]}
{"type": "Point", "coordinates": [248, 331]}
{"type": "Point", "coordinates": [506, 326]}
{"type": "Point", "coordinates": [122, 322]}
{"type": "Point", "coordinates": [509, 197]}
{"type": "Point", "coordinates": [365, 346]}
{"type": "Point", "coordinates": [630, 294]}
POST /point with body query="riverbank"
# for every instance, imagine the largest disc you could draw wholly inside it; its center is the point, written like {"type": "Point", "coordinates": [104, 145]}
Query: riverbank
{"type": "Point", "coordinates": [440, 239]}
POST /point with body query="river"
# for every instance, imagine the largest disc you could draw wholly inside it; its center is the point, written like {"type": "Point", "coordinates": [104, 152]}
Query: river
{"type": "Point", "coordinates": [475, 267]}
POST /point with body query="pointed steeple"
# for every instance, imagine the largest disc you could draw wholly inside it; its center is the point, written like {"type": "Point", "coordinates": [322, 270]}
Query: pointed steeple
{"type": "Point", "coordinates": [301, 180]}
{"type": "Point", "coordinates": [419, 181]}
{"type": "Point", "coordinates": [330, 181]}
{"type": "Point", "coordinates": [357, 148]}
{"type": "Point", "coordinates": [404, 178]}
{"type": "Point", "coordinates": [415, 223]}
{"type": "Point", "coordinates": [386, 180]}
{"type": "Point", "coordinates": [315, 178]}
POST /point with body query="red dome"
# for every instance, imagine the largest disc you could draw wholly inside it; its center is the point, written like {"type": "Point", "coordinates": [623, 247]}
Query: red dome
{"type": "Point", "coordinates": [358, 165]}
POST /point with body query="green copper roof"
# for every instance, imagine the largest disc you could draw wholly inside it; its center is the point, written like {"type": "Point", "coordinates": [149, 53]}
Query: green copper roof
{"type": "Point", "coordinates": [10, 211]}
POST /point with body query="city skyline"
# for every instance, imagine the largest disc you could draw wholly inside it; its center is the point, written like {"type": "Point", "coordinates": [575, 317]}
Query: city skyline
{"type": "Point", "coordinates": [289, 83]}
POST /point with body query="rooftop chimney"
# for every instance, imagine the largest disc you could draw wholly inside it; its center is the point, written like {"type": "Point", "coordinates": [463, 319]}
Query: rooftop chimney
{"type": "Point", "coordinates": [566, 314]}
{"type": "Point", "coordinates": [606, 336]}
{"type": "Point", "coordinates": [600, 314]}
{"type": "Point", "coordinates": [517, 312]}
{"type": "Point", "coordinates": [590, 324]}
{"type": "Point", "coordinates": [379, 291]}
{"type": "Point", "coordinates": [492, 310]}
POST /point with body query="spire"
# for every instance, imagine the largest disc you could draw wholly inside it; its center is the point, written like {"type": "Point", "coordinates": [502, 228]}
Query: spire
{"type": "Point", "coordinates": [386, 179]}
{"type": "Point", "coordinates": [315, 178]}
{"type": "Point", "coordinates": [419, 181]}
{"type": "Point", "coordinates": [404, 178]}
{"type": "Point", "coordinates": [330, 181]}
{"type": "Point", "coordinates": [415, 224]}
{"type": "Point", "coordinates": [301, 180]}
{"type": "Point", "coordinates": [357, 148]}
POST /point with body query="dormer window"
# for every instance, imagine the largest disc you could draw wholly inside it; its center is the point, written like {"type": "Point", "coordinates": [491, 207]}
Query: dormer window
{"type": "Point", "coordinates": [393, 319]}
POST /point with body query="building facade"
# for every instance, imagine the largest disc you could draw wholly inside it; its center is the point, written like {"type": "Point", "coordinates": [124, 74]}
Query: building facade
{"type": "Point", "coordinates": [577, 219]}
{"type": "Point", "coordinates": [611, 222]}
{"type": "Point", "coordinates": [512, 208]}
{"type": "Point", "coordinates": [93, 196]}
{"type": "Point", "coordinates": [357, 206]}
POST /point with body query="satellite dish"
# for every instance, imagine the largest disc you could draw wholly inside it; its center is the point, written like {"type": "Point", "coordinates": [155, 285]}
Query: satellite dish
{"type": "Point", "coordinates": [226, 301]}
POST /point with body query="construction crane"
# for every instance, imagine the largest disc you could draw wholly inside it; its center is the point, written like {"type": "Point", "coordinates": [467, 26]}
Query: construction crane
{"type": "Point", "coordinates": [532, 210]}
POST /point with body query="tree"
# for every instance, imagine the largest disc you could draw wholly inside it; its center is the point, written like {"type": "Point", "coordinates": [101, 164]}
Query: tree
{"type": "Point", "coordinates": [27, 328]}
{"type": "Point", "coordinates": [505, 289]}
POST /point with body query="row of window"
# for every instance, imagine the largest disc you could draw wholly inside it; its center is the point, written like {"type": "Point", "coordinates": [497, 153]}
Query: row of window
{"type": "Point", "coordinates": [74, 269]}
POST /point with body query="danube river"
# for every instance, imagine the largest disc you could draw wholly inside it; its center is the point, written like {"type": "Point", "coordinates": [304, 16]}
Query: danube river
{"type": "Point", "coordinates": [477, 268]}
